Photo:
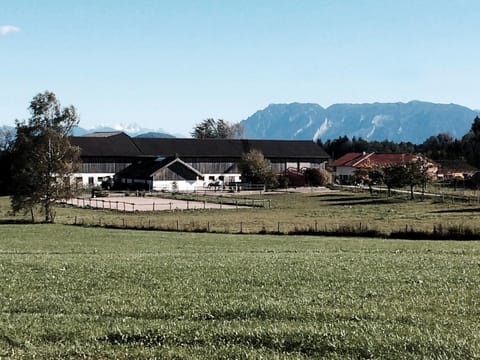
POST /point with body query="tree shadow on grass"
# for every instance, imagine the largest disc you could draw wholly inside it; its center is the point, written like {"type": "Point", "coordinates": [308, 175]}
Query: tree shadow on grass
{"type": "Point", "coordinates": [367, 202]}
{"type": "Point", "coordinates": [464, 210]}
{"type": "Point", "coordinates": [14, 221]}
{"type": "Point", "coordinates": [345, 199]}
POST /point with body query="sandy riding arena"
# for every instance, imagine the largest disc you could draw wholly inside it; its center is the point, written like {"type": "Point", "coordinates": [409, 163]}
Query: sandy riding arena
{"type": "Point", "coordinates": [133, 203]}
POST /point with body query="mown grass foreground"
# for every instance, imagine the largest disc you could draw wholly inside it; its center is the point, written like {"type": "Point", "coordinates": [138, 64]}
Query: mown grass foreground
{"type": "Point", "coordinates": [69, 292]}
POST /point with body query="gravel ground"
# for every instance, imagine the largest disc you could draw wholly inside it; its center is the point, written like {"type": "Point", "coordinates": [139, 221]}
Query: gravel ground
{"type": "Point", "coordinates": [133, 203]}
{"type": "Point", "coordinates": [138, 203]}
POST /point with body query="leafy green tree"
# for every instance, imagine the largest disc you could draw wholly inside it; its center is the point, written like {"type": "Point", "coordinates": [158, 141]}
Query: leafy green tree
{"type": "Point", "coordinates": [471, 144]}
{"type": "Point", "coordinates": [43, 159]}
{"type": "Point", "coordinates": [411, 174]}
{"type": "Point", "coordinates": [441, 147]}
{"type": "Point", "coordinates": [394, 176]}
{"type": "Point", "coordinates": [416, 173]}
{"type": "Point", "coordinates": [7, 138]}
{"type": "Point", "coordinates": [368, 176]}
{"type": "Point", "coordinates": [255, 169]}
{"type": "Point", "coordinates": [217, 129]}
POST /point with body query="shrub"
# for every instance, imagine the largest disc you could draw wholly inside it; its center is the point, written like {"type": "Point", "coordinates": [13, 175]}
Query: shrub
{"type": "Point", "coordinates": [318, 177]}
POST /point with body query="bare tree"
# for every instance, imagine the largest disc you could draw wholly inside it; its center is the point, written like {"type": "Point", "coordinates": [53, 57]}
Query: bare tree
{"type": "Point", "coordinates": [7, 138]}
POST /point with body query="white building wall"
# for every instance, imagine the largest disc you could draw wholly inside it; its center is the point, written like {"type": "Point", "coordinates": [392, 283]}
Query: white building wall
{"type": "Point", "coordinates": [180, 185]}
{"type": "Point", "coordinates": [91, 179]}
{"type": "Point", "coordinates": [227, 178]}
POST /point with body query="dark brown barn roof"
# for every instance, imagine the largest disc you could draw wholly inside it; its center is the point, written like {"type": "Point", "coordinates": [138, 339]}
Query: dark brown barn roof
{"type": "Point", "coordinates": [120, 144]}
{"type": "Point", "coordinates": [231, 148]}
{"type": "Point", "coordinates": [106, 144]}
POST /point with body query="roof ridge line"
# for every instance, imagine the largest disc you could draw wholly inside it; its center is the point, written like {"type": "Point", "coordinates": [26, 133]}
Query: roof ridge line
{"type": "Point", "coordinates": [364, 157]}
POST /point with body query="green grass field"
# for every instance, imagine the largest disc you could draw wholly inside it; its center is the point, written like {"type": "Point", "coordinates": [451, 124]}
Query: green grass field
{"type": "Point", "coordinates": [289, 212]}
{"type": "Point", "coordinates": [70, 292]}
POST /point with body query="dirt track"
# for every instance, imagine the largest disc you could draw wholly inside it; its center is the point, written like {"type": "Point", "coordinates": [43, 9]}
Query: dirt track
{"type": "Point", "coordinates": [133, 203]}
{"type": "Point", "coordinates": [138, 203]}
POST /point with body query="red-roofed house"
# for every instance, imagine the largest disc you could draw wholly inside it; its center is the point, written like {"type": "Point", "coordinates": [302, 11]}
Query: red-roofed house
{"type": "Point", "coordinates": [345, 166]}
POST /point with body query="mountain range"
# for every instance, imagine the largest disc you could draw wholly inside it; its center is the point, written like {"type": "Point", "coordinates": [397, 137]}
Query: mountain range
{"type": "Point", "coordinates": [414, 121]}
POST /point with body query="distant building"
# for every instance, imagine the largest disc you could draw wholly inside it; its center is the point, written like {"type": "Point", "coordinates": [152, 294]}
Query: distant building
{"type": "Point", "coordinates": [345, 166]}
{"type": "Point", "coordinates": [455, 169]}
{"type": "Point", "coordinates": [167, 163]}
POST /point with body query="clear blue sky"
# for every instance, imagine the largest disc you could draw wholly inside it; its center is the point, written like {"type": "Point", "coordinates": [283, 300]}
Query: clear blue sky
{"type": "Point", "coordinates": [170, 64]}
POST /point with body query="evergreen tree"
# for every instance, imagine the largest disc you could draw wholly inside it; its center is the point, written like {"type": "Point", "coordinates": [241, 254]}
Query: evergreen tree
{"type": "Point", "coordinates": [471, 144]}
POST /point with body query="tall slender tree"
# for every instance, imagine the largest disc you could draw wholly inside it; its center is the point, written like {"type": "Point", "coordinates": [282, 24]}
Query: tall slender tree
{"type": "Point", "coordinates": [43, 159]}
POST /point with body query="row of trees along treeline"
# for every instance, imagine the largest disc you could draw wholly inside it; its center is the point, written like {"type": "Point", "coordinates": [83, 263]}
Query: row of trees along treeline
{"type": "Point", "coordinates": [439, 147]}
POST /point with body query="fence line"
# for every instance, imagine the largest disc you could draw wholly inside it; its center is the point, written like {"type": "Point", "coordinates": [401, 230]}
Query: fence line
{"type": "Point", "coordinates": [462, 196]}
{"type": "Point", "coordinates": [437, 232]}
{"type": "Point", "coordinates": [125, 206]}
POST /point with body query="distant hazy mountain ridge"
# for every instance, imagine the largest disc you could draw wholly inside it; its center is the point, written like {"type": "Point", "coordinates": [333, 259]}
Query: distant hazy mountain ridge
{"type": "Point", "coordinates": [134, 132]}
{"type": "Point", "coordinates": [413, 121]}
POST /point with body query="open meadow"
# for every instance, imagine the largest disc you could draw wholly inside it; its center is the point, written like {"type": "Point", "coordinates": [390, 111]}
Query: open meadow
{"type": "Point", "coordinates": [286, 212]}
{"type": "Point", "coordinates": [100, 293]}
